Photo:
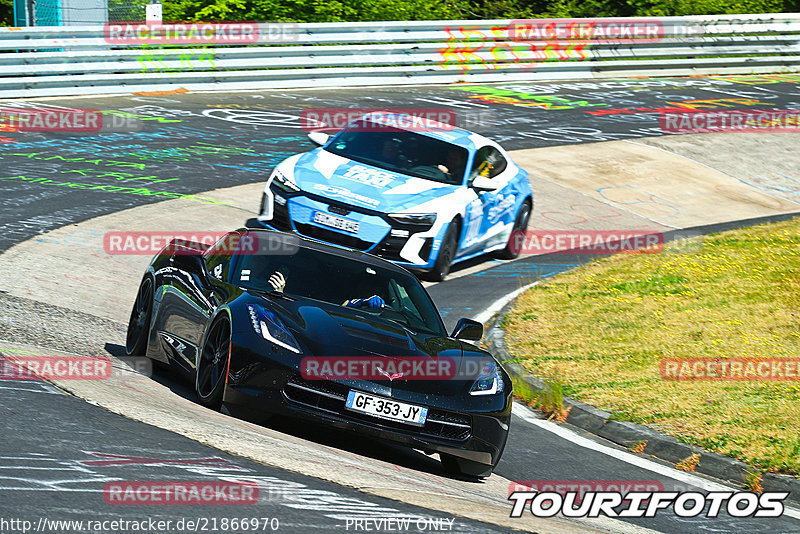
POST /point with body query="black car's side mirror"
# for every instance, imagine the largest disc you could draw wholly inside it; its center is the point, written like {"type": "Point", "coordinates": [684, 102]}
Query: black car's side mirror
{"type": "Point", "coordinates": [188, 262]}
{"type": "Point", "coordinates": [468, 330]}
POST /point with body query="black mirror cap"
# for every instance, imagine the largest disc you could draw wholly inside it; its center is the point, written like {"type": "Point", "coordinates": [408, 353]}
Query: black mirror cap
{"type": "Point", "coordinates": [188, 259]}
{"type": "Point", "coordinates": [468, 330]}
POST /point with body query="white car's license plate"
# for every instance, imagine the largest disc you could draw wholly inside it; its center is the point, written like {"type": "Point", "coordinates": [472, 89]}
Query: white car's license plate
{"type": "Point", "coordinates": [386, 408]}
{"type": "Point", "coordinates": [333, 221]}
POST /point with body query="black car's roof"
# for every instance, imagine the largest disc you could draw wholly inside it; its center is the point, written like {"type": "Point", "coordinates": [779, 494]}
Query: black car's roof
{"type": "Point", "coordinates": [335, 250]}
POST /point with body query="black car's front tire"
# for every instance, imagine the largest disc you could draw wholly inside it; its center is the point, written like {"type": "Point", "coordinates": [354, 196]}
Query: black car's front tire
{"type": "Point", "coordinates": [139, 322]}
{"type": "Point", "coordinates": [213, 364]}
{"type": "Point", "coordinates": [460, 467]}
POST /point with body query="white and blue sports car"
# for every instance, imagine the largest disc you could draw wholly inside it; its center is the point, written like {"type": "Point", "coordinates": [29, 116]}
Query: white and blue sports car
{"type": "Point", "coordinates": [422, 197]}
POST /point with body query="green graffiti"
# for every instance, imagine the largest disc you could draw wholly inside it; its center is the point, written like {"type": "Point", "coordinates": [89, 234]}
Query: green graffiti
{"type": "Point", "coordinates": [139, 191]}
{"type": "Point", "coordinates": [126, 115]}
{"type": "Point", "coordinates": [110, 162]}
{"type": "Point", "coordinates": [155, 59]}
{"type": "Point", "coordinates": [121, 176]}
{"type": "Point", "coordinates": [188, 152]}
{"type": "Point", "coordinates": [498, 95]}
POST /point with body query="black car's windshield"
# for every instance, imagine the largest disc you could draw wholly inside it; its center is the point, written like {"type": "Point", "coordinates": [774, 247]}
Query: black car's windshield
{"type": "Point", "coordinates": [341, 281]}
{"type": "Point", "coordinates": [403, 152]}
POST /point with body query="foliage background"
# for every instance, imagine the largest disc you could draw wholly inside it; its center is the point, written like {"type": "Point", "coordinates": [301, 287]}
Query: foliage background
{"type": "Point", "coordinates": [6, 12]}
{"type": "Point", "coordinates": [372, 10]}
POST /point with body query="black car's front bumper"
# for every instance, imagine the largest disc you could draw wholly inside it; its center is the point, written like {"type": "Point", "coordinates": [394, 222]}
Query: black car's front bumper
{"type": "Point", "coordinates": [473, 435]}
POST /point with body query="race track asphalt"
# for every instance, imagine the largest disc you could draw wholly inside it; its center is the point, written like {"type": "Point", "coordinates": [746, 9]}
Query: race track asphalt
{"type": "Point", "coordinates": [192, 143]}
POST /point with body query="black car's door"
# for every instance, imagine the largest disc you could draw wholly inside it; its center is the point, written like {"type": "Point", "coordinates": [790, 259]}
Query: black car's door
{"type": "Point", "coordinates": [195, 291]}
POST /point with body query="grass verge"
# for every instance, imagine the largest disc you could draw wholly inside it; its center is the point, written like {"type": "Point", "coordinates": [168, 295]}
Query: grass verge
{"type": "Point", "coordinates": [604, 328]}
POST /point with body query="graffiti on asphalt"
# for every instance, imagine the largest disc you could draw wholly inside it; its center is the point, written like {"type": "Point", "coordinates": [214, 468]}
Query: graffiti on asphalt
{"type": "Point", "coordinates": [139, 191]}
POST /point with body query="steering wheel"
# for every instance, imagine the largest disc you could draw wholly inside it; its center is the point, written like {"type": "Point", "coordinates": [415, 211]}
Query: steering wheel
{"type": "Point", "coordinates": [426, 171]}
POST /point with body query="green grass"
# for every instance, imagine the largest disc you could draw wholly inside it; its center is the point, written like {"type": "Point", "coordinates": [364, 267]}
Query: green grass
{"type": "Point", "coordinates": [604, 328]}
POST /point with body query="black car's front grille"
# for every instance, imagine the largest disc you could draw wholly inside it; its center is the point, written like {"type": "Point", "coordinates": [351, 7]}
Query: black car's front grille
{"type": "Point", "coordinates": [331, 397]}
{"type": "Point", "coordinates": [330, 236]}
{"type": "Point", "coordinates": [450, 425]}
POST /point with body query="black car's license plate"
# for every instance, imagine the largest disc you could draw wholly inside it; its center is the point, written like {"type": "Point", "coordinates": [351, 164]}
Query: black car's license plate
{"type": "Point", "coordinates": [386, 408]}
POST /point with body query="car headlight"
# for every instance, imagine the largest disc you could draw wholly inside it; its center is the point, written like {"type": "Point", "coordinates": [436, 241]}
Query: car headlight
{"type": "Point", "coordinates": [489, 381]}
{"type": "Point", "coordinates": [282, 183]}
{"type": "Point", "coordinates": [414, 218]}
{"type": "Point", "coordinates": [270, 327]}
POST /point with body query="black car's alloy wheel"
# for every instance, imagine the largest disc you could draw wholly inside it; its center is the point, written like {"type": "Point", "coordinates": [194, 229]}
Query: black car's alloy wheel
{"type": "Point", "coordinates": [139, 322]}
{"type": "Point", "coordinates": [213, 364]}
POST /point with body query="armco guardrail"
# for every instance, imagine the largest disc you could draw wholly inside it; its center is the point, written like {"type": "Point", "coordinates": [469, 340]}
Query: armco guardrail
{"type": "Point", "coordinates": [46, 61]}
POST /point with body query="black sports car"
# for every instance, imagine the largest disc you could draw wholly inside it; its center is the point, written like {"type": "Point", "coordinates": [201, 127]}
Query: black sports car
{"type": "Point", "coordinates": [249, 317]}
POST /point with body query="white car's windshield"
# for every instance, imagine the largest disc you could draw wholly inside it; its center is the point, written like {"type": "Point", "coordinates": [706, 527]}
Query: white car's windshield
{"type": "Point", "coordinates": [403, 152]}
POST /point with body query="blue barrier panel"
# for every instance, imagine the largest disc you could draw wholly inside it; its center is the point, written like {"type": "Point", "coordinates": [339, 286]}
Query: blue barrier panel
{"type": "Point", "coordinates": [20, 13]}
{"type": "Point", "coordinates": [47, 13]}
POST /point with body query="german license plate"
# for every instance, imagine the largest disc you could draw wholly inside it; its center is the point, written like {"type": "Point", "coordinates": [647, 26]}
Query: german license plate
{"type": "Point", "coordinates": [386, 408]}
{"type": "Point", "coordinates": [340, 223]}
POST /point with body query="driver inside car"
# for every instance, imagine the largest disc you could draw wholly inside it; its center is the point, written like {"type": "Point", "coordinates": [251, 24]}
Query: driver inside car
{"type": "Point", "coordinates": [371, 302]}
{"type": "Point", "coordinates": [391, 153]}
{"type": "Point", "coordinates": [365, 288]}
{"type": "Point", "coordinates": [278, 279]}
{"type": "Point", "coordinates": [453, 165]}
{"type": "Point", "coordinates": [278, 282]}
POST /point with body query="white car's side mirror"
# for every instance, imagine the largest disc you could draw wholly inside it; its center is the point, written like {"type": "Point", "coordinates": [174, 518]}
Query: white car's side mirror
{"type": "Point", "coordinates": [319, 138]}
{"type": "Point", "coordinates": [484, 183]}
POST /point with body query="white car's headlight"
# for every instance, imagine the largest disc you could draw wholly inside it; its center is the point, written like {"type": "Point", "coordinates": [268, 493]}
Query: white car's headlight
{"type": "Point", "coordinates": [282, 183]}
{"type": "Point", "coordinates": [414, 218]}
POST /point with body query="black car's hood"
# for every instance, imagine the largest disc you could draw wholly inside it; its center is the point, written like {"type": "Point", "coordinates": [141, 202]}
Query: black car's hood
{"type": "Point", "coordinates": [334, 331]}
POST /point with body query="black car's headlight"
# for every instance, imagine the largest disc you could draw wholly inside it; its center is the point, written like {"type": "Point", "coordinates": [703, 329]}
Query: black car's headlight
{"type": "Point", "coordinates": [489, 381]}
{"type": "Point", "coordinates": [414, 218]}
{"type": "Point", "coordinates": [270, 327]}
{"type": "Point", "coordinates": [280, 182]}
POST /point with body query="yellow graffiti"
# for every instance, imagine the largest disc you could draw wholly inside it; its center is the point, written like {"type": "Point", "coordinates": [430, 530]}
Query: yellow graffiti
{"type": "Point", "coordinates": [760, 79]}
{"type": "Point", "coordinates": [717, 103]}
